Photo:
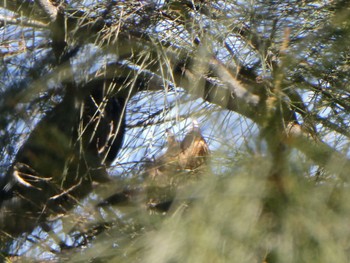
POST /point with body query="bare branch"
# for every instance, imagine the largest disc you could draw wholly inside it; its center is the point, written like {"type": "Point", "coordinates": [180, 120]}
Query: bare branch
{"type": "Point", "coordinates": [25, 8]}
{"type": "Point", "coordinates": [49, 9]}
{"type": "Point", "coordinates": [22, 21]}
{"type": "Point", "coordinates": [323, 155]}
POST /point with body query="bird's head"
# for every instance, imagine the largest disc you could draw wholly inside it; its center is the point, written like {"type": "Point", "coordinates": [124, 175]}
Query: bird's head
{"type": "Point", "coordinates": [195, 130]}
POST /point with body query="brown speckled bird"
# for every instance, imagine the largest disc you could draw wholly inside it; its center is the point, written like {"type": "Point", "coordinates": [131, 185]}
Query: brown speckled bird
{"type": "Point", "coordinates": [173, 145]}
{"type": "Point", "coordinates": [168, 163]}
{"type": "Point", "coordinates": [194, 149]}
{"type": "Point", "coordinates": [189, 154]}
{"type": "Point", "coordinates": [166, 174]}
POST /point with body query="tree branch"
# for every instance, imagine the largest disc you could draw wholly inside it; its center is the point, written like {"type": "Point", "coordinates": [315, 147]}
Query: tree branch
{"type": "Point", "coordinates": [50, 10]}
{"type": "Point", "coordinates": [21, 21]}
{"type": "Point", "coordinates": [232, 95]}
{"type": "Point", "coordinates": [323, 155]}
{"type": "Point", "coordinates": [25, 8]}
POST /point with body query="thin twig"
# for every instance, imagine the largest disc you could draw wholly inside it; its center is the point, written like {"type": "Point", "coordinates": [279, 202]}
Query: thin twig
{"type": "Point", "coordinates": [21, 21]}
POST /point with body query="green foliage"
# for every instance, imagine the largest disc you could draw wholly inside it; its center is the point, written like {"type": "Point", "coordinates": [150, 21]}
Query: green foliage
{"type": "Point", "coordinates": [268, 83]}
{"type": "Point", "coordinates": [231, 219]}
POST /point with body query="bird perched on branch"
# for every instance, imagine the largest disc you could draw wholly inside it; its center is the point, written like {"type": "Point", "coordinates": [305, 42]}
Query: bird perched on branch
{"type": "Point", "coordinates": [166, 164]}
{"type": "Point", "coordinates": [173, 145]}
{"type": "Point", "coordinates": [167, 172]}
{"type": "Point", "coordinates": [194, 149]}
{"type": "Point", "coordinates": [189, 154]}
{"type": "Point", "coordinates": [173, 167]}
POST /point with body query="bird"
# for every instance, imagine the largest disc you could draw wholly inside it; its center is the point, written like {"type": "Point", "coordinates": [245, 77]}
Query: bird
{"type": "Point", "coordinates": [166, 164]}
{"type": "Point", "coordinates": [182, 163]}
{"type": "Point", "coordinates": [194, 149]}
{"type": "Point", "coordinates": [166, 174]}
{"type": "Point", "coordinates": [173, 145]}
{"type": "Point", "coordinates": [188, 154]}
